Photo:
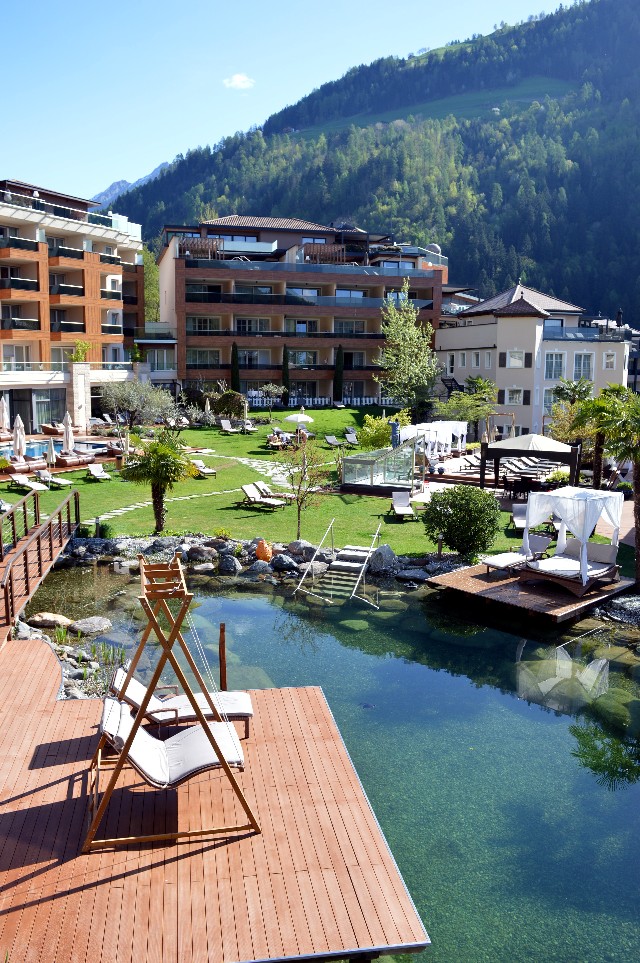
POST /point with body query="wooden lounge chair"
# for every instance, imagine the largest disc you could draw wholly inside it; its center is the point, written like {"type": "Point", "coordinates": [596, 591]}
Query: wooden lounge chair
{"type": "Point", "coordinates": [253, 497]}
{"type": "Point", "coordinates": [401, 505]}
{"type": "Point", "coordinates": [564, 569]}
{"type": "Point", "coordinates": [203, 470]}
{"type": "Point", "coordinates": [266, 492]}
{"type": "Point", "coordinates": [333, 441]}
{"type": "Point", "coordinates": [176, 709]}
{"type": "Point", "coordinates": [226, 426]}
{"type": "Point", "coordinates": [98, 472]}
{"type": "Point", "coordinates": [45, 476]}
{"type": "Point", "coordinates": [512, 561]}
{"type": "Point", "coordinates": [21, 481]}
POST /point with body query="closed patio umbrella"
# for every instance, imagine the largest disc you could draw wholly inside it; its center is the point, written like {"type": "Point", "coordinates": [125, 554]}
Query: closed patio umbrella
{"type": "Point", "coordinates": [51, 454]}
{"type": "Point", "coordinates": [19, 438]}
{"type": "Point", "coordinates": [4, 414]}
{"type": "Point", "coordinates": [207, 406]}
{"type": "Point", "coordinates": [67, 438]}
{"type": "Point", "coordinates": [126, 443]}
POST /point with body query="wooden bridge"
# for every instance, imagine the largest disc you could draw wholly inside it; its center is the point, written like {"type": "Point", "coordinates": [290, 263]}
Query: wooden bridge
{"type": "Point", "coordinates": [29, 547]}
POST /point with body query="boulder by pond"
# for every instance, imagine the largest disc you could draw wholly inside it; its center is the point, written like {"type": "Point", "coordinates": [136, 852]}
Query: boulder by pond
{"type": "Point", "coordinates": [94, 625]}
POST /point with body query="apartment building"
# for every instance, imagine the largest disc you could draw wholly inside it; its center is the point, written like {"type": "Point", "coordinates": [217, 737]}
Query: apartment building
{"type": "Point", "coordinates": [268, 282]}
{"type": "Point", "coordinates": [66, 275]}
{"type": "Point", "coordinates": [525, 341]}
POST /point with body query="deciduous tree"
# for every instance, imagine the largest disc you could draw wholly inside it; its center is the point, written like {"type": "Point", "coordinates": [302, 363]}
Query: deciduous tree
{"type": "Point", "coordinates": [410, 366]}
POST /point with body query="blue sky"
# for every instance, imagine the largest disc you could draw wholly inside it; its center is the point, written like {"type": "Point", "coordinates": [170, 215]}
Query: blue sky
{"type": "Point", "coordinates": [103, 92]}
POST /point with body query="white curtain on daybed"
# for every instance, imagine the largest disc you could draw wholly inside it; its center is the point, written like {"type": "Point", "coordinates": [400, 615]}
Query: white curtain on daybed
{"type": "Point", "coordinates": [578, 509]}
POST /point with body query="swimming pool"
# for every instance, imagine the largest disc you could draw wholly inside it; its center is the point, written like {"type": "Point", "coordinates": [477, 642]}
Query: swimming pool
{"type": "Point", "coordinates": [512, 849]}
{"type": "Point", "coordinates": [40, 448]}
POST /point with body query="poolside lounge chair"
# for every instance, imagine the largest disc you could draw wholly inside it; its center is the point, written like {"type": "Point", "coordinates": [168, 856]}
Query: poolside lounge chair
{"type": "Point", "coordinates": [98, 472]}
{"type": "Point", "coordinates": [564, 569]}
{"type": "Point", "coordinates": [4, 506]}
{"type": "Point", "coordinates": [226, 426]}
{"type": "Point", "coordinates": [176, 709]}
{"type": "Point", "coordinates": [351, 438]}
{"type": "Point", "coordinates": [203, 470]}
{"type": "Point", "coordinates": [253, 497]}
{"type": "Point", "coordinates": [19, 465]}
{"type": "Point", "coordinates": [45, 476]}
{"type": "Point", "coordinates": [401, 505]}
{"type": "Point", "coordinates": [333, 441]}
{"type": "Point", "coordinates": [512, 561]}
{"type": "Point", "coordinates": [518, 517]}
{"type": "Point", "coordinates": [55, 428]}
{"type": "Point", "coordinates": [248, 426]}
{"type": "Point", "coordinates": [5, 435]}
{"type": "Point", "coordinates": [266, 492]}
{"type": "Point", "coordinates": [21, 482]}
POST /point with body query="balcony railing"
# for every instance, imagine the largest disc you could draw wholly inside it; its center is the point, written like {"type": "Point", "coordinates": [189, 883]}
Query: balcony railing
{"type": "Point", "coordinates": [20, 324]}
{"type": "Point", "coordinates": [110, 259]}
{"type": "Point", "coordinates": [144, 334]}
{"type": "Point", "coordinates": [129, 298]}
{"type": "Point", "coordinates": [111, 366]}
{"type": "Point", "coordinates": [61, 250]}
{"type": "Point", "coordinates": [586, 334]}
{"type": "Point", "coordinates": [216, 297]}
{"type": "Point", "coordinates": [112, 329]}
{"type": "Point", "coordinates": [67, 290]}
{"type": "Point", "coordinates": [287, 335]}
{"type": "Point", "coordinates": [18, 284]}
{"type": "Point", "coordinates": [68, 327]}
{"type": "Point", "coordinates": [110, 295]}
{"type": "Point", "coordinates": [20, 243]}
{"type": "Point", "coordinates": [286, 266]}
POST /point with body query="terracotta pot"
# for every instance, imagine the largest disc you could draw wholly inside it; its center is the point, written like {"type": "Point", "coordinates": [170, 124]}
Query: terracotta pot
{"type": "Point", "coordinates": [264, 551]}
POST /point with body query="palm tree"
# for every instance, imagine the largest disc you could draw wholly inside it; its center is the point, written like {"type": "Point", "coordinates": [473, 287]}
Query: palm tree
{"type": "Point", "coordinates": [619, 421]}
{"type": "Point", "coordinates": [161, 464]}
{"type": "Point", "coordinates": [595, 412]}
{"type": "Point", "coordinates": [571, 392]}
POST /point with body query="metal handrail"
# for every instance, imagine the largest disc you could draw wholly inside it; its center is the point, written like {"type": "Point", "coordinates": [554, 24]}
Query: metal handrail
{"type": "Point", "coordinates": [21, 506]}
{"type": "Point", "coordinates": [364, 565]}
{"type": "Point", "coordinates": [56, 528]}
{"type": "Point", "coordinates": [313, 558]}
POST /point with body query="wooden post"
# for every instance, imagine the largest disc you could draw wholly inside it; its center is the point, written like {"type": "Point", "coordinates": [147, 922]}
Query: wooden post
{"type": "Point", "coordinates": [222, 655]}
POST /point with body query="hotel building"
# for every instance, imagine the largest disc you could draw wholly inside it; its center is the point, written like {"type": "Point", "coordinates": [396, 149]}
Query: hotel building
{"type": "Point", "coordinates": [268, 282]}
{"type": "Point", "coordinates": [66, 275]}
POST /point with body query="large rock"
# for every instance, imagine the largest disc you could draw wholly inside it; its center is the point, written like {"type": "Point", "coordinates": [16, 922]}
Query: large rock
{"type": "Point", "coordinates": [199, 553]}
{"type": "Point", "coordinates": [229, 565]}
{"type": "Point", "coordinates": [300, 547]}
{"type": "Point", "coordinates": [48, 620]}
{"type": "Point", "coordinates": [314, 568]}
{"type": "Point", "coordinates": [204, 568]}
{"type": "Point", "coordinates": [284, 563]}
{"type": "Point", "coordinates": [384, 559]}
{"type": "Point", "coordinates": [260, 567]}
{"type": "Point", "coordinates": [94, 625]}
{"type": "Point", "coordinates": [412, 575]}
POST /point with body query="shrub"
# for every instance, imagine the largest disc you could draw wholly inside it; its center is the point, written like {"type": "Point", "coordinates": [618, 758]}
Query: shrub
{"type": "Point", "coordinates": [467, 518]}
{"type": "Point", "coordinates": [559, 476]}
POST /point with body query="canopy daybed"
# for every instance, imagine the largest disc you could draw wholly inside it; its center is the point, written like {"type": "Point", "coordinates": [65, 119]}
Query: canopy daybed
{"type": "Point", "coordinates": [578, 565]}
{"type": "Point", "coordinates": [536, 445]}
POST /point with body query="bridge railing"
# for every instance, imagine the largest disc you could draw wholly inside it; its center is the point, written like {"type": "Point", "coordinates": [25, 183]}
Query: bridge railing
{"type": "Point", "coordinates": [33, 559]}
{"type": "Point", "coordinates": [20, 519]}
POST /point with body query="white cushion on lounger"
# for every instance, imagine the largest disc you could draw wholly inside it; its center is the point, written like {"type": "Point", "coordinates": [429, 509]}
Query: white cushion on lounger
{"type": "Point", "coordinates": [504, 560]}
{"type": "Point", "coordinates": [228, 703]}
{"type": "Point", "coordinates": [567, 567]}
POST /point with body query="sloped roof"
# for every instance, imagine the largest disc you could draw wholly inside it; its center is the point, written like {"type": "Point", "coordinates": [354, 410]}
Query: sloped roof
{"type": "Point", "coordinates": [521, 308]}
{"type": "Point", "coordinates": [535, 299]}
{"type": "Point", "coordinates": [267, 223]}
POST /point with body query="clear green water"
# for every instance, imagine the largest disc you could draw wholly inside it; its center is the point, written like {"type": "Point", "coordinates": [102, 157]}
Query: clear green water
{"type": "Point", "coordinates": [510, 848]}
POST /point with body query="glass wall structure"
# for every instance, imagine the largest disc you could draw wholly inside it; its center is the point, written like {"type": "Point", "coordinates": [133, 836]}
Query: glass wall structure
{"type": "Point", "coordinates": [385, 466]}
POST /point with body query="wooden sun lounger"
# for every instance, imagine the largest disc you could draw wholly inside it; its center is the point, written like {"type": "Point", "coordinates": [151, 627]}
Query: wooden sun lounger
{"type": "Point", "coordinates": [253, 497]}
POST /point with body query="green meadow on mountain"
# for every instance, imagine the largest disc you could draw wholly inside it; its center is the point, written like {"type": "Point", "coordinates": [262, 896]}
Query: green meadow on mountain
{"type": "Point", "coordinates": [516, 152]}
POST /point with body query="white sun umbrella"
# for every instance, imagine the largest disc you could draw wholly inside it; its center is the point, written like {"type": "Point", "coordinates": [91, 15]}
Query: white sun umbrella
{"type": "Point", "coordinates": [4, 414]}
{"type": "Point", "coordinates": [299, 418]}
{"type": "Point", "coordinates": [126, 445]}
{"type": "Point", "coordinates": [67, 438]}
{"type": "Point", "coordinates": [51, 454]}
{"type": "Point", "coordinates": [19, 438]}
{"type": "Point", "coordinates": [207, 406]}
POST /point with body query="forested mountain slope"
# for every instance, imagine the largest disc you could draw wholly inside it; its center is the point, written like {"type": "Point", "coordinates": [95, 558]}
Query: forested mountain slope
{"type": "Point", "coordinates": [549, 190]}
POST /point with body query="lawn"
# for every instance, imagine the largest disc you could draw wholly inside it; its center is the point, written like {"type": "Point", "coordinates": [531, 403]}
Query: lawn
{"type": "Point", "coordinates": [356, 516]}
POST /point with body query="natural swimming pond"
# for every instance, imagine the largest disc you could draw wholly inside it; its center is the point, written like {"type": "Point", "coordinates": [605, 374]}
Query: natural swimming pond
{"type": "Point", "coordinates": [511, 846]}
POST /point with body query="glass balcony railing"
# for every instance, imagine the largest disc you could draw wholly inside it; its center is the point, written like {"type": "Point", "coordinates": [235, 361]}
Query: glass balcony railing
{"type": "Point", "coordinates": [67, 290]}
{"type": "Point", "coordinates": [20, 324]}
{"type": "Point", "coordinates": [587, 334]}
{"type": "Point", "coordinates": [217, 297]}
{"type": "Point", "coordinates": [129, 298]}
{"type": "Point", "coordinates": [67, 327]}
{"type": "Point", "coordinates": [18, 284]}
{"type": "Point", "coordinates": [150, 334]}
{"type": "Point", "coordinates": [20, 243]}
{"type": "Point", "coordinates": [286, 266]}
{"type": "Point", "coordinates": [110, 259]}
{"type": "Point", "coordinates": [61, 250]}
{"type": "Point", "coordinates": [110, 295]}
{"type": "Point", "coordinates": [112, 329]}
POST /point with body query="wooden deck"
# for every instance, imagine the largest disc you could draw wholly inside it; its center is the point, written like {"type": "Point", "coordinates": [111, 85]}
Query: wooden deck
{"type": "Point", "coordinates": [548, 600]}
{"type": "Point", "coordinates": [320, 882]}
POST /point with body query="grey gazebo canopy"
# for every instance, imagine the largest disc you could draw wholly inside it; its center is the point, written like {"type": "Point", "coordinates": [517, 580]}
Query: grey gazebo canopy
{"type": "Point", "coordinates": [527, 445]}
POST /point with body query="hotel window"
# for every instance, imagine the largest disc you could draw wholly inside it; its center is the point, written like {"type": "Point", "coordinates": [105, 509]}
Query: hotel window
{"type": "Point", "coordinates": [196, 325]}
{"type": "Point", "coordinates": [582, 366]}
{"type": "Point", "coordinates": [515, 359]}
{"type": "Point", "coordinates": [202, 358]}
{"type": "Point", "coordinates": [303, 292]}
{"type": "Point", "coordinates": [314, 240]}
{"type": "Point", "coordinates": [16, 357]}
{"type": "Point", "coordinates": [161, 359]}
{"type": "Point", "coordinates": [303, 358]}
{"type": "Point", "coordinates": [451, 363]}
{"type": "Point", "coordinates": [247, 238]}
{"type": "Point", "coordinates": [252, 325]}
{"type": "Point", "coordinates": [60, 358]}
{"type": "Point", "coordinates": [251, 357]}
{"type": "Point", "coordinates": [487, 359]}
{"type": "Point", "coordinates": [254, 290]}
{"type": "Point", "coordinates": [609, 361]}
{"type": "Point", "coordinates": [475, 359]}
{"type": "Point", "coordinates": [553, 365]}
{"type": "Point", "coordinates": [298, 326]}
{"type": "Point", "coordinates": [548, 400]}
{"type": "Point", "coordinates": [114, 284]}
{"type": "Point", "coordinates": [462, 360]}
{"type": "Point", "coordinates": [348, 327]}
{"type": "Point", "coordinates": [350, 293]}
{"type": "Point", "coordinates": [514, 396]}
{"type": "Point", "coordinates": [400, 265]}
{"type": "Point", "coordinates": [303, 389]}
